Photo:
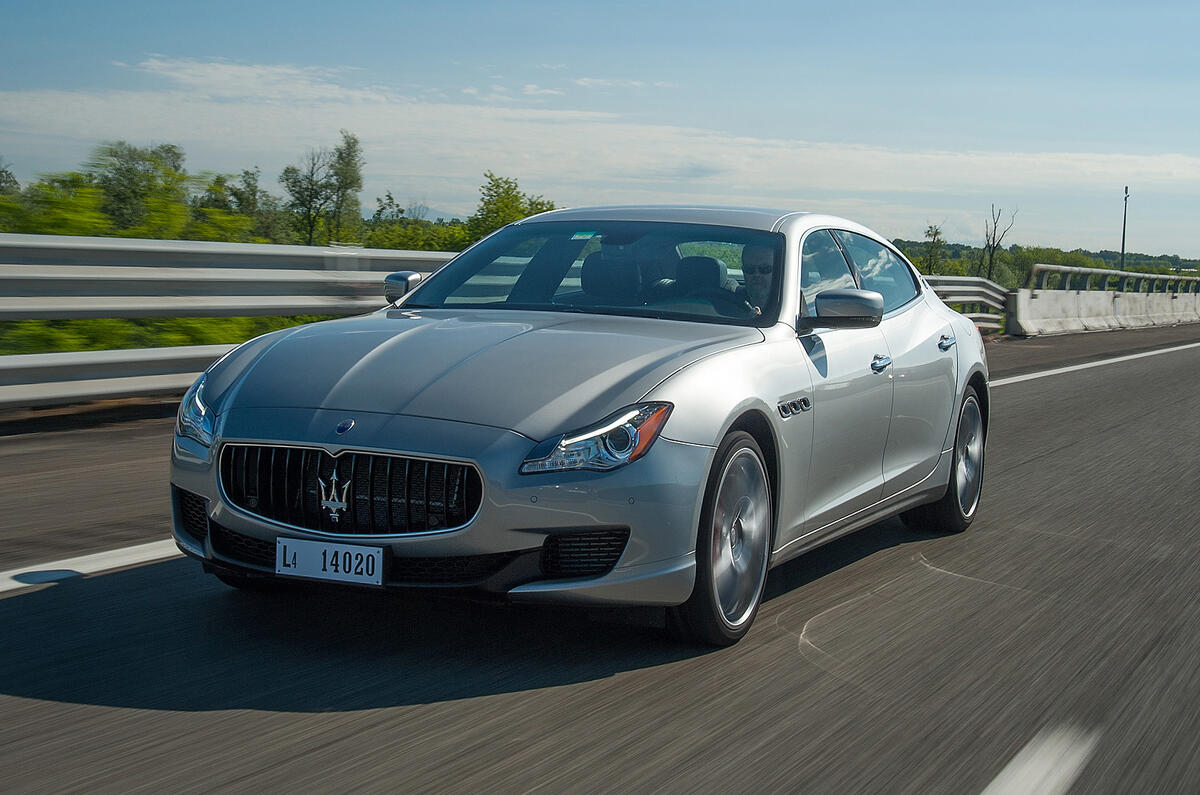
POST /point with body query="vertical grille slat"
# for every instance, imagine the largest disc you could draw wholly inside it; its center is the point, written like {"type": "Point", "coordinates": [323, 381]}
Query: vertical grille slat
{"type": "Point", "coordinates": [408, 495]}
{"type": "Point", "coordinates": [384, 494]}
{"type": "Point", "coordinates": [287, 494]}
{"type": "Point", "coordinates": [387, 505]}
{"type": "Point", "coordinates": [256, 495]}
{"type": "Point", "coordinates": [417, 496]}
{"type": "Point", "coordinates": [242, 461]}
{"type": "Point", "coordinates": [379, 497]}
{"type": "Point", "coordinates": [271, 484]}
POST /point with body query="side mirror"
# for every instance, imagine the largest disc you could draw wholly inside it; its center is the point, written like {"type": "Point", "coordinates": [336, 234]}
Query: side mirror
{"type": "Point", "coordinates": [846, 308]}
{"type": "Point", "coordinates": [397, 285]}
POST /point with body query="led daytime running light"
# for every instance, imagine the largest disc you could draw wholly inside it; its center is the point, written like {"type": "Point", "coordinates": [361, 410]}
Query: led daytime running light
{"type": "Point", "coordinates": [593, 449]}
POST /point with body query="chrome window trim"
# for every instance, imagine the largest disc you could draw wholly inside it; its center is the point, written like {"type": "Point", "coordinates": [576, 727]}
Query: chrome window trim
{"type": "Point", "coordinates": [913, 273]}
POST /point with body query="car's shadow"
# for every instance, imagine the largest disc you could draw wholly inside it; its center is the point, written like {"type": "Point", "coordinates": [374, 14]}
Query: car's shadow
{"type": "Point", "coordinates": [166, 636]}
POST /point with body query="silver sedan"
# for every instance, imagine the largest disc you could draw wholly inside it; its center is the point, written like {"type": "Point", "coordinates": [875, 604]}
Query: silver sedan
{"type": "Point", "coordinates": [607, 406]}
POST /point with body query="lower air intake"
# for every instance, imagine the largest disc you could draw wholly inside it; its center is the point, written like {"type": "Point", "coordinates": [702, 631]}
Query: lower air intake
{"type": "Point", "coordinates": [193, 513]}
{"type": "Point", "coordinates": [583, 554]}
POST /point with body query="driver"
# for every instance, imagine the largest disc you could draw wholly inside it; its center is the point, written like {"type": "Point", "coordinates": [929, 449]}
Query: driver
{"type": "Point", "coordinates": [758, 266]}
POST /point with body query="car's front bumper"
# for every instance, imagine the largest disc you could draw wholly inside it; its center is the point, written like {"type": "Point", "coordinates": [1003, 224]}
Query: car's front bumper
{"type": "Point", "coordinates": [502, 549]}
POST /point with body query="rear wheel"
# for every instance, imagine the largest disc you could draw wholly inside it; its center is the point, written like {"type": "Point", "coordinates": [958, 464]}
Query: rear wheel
{"type": "Point", "coordinates": [733, 547]}
{"type": "Point", "coordinates": [955, 511]}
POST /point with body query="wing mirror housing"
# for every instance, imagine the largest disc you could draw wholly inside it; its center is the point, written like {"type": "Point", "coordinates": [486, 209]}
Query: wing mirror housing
{"type": "Point", "coordinates": [845, 308]}
{"type": "Point", "coordinates": [397, 285]}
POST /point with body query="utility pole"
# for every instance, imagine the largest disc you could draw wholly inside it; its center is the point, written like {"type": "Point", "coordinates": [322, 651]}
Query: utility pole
{"type": "Point", "coordinates": [1124, 215]}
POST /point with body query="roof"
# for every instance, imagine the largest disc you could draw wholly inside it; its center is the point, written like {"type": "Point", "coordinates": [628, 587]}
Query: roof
{"type": "Point", "coordinates": [748, 217]}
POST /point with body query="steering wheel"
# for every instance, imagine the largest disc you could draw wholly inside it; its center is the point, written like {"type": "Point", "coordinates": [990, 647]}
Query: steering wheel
{"type": "Point", "coordinates": [725, 302]}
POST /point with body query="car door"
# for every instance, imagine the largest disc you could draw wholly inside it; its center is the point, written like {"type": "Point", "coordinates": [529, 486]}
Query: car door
{"type": "Point", "coordinates": [852, 397]}
{"type": "Point", "coordinates": [920, 342]}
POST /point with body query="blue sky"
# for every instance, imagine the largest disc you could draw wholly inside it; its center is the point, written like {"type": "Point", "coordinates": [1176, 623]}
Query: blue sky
{"type": "Point", "coordinates": [894, 114]}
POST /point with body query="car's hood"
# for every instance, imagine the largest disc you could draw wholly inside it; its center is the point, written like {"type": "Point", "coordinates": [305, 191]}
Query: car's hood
{"type": "Point", "coordinates": [537, 373]}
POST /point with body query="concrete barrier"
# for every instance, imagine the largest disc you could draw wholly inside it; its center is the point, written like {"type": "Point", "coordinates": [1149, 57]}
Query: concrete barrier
{"type": "Point", "coordinates": [1139, 300]}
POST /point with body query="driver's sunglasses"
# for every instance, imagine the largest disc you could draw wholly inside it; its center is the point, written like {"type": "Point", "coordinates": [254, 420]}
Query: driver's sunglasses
{"type": "Point", "coordinates": [763, 269]}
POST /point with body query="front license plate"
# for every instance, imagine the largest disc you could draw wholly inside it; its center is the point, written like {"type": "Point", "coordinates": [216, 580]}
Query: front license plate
{"type": "Point", "coordinates": [321, 561]}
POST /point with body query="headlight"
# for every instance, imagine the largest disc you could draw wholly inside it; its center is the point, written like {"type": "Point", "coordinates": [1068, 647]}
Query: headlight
{"type": "Point", "coordinates": [196, 419]}
{"type": "Point", "coordinates": [613, 442]}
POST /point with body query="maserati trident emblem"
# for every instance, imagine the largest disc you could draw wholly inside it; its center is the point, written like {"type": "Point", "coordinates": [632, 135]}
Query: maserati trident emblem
{"type": "Point", "coordinates": [332, 500]}
{"type": "Point", "coordinates": [344, 426]}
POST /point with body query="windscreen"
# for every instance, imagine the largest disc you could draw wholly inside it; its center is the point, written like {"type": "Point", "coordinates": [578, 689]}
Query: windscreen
{"type": "Point", "coordinates": [699, 272]}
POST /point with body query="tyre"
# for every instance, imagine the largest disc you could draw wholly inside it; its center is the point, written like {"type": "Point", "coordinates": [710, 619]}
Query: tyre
{"type": "Point", "coordinates": [733, 546]}
{"type": "Point", "coordinates": [954, 512]}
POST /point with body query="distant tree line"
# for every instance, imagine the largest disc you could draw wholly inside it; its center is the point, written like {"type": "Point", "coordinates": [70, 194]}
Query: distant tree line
{"type": "Point", "coordinates": [125, 190]}
{"type": "Point", "coordinates": [1011, 266]}
{"type": "Point", "coordinates": [131, 191]}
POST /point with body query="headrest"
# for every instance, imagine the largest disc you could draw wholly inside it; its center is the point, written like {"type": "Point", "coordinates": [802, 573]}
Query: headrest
{"type": "Point", "coordinates": [701, 273]}
{"type": "Point", "coordinates": [611, 280]}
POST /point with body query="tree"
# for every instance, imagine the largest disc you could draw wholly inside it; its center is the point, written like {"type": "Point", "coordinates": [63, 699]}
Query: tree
{"type": "Point", "coordinates": [501, 202]}
{"type": "Point", "coordinates": [270, 221]}
{"type": "Point", "coordinates": [323, 191]}
{"type": "Point", "coordinates": [992, 239]}
{"type": "Point", "coordinates": [392, 226]}
{"type": "Point", "coordinates": [345, 214]}
{"type": "Point", "coordinates": [935, 249]}
{"type": "Point", "coordinates": [57, 204]}
{"type": "Point", "coordinates": [311, 188]}
{"type": "Point", "coordinates": [9, 186]}
{"type": "Point", "coordinates": [145, 189]}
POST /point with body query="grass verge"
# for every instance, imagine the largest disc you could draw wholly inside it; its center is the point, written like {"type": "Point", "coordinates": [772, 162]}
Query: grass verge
{"type": "Point", "coordinates": [99, 334]}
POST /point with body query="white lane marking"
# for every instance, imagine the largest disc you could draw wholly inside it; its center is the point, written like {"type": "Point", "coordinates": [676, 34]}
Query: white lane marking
{"type": "Point", "coordinates": [87, 564]}
{"type": "Point", "coordinates": [1047, 765]}
{"type": "Point", "coordinates": [1016, 379]}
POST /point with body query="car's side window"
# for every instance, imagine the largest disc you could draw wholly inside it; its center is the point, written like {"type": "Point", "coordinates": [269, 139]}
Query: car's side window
{"type": "Point", "coordinates": [822, 267]}
{"type": "Point", "coordinates": [880, 269]}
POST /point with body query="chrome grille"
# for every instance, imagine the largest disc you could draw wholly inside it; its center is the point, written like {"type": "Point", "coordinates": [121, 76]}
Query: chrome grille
{"type": "Point", "coordinates": [384, 494]}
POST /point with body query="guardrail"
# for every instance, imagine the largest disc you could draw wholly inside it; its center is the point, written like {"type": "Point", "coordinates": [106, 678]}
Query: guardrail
{"type": "Point", "coordinates": [71, 291]}
{"type": "Point", "coordinates": [973, 294]}
{"type": "Point", "coordinates": [1060, 299]}
{"type": "Point", "coordinates": [52, 277]}
{"type": "Point", "coordinates": [1073, 278]}
{"type": "Point", "coordinates": [47, 379]}
{"type": "Point", "coordinates": [61, 250]}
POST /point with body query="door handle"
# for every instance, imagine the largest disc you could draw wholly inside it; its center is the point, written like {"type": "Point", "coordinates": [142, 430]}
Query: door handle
{"type": "Point", "coordinates": [946, 342]}
{"type": "Point", "coordinates": [881, 363]}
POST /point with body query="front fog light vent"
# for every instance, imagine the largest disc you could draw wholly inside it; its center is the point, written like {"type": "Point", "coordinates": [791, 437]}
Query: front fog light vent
{"type": "Point", "coordinates": [583, 554]}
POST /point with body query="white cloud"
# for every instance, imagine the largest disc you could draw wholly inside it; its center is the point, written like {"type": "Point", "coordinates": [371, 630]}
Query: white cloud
{"type": "Point", "coordinates": [534, 90]}
{"type": "Point", "coordinates": [224, 79]}
{"type": "Point", "coordinates": [603, 82]}
{"type": "Point", "coordinates": [230, 116]}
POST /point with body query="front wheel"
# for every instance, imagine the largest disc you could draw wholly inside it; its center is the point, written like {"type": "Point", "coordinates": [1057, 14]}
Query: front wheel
{"type": "Point", "coordinates": [733, 547]}
{"type": "Point", "coordinates": [955, 511]}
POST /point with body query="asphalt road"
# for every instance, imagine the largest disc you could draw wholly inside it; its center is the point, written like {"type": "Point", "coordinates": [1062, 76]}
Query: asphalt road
{"type": "Point", "coordinates": [1060, 632]}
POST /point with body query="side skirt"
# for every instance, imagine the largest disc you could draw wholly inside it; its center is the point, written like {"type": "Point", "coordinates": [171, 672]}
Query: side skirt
{"type": "Point", "coordinates": [930, 489]}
